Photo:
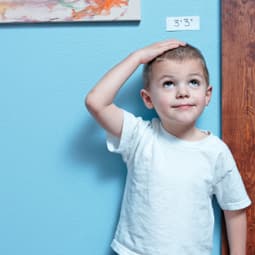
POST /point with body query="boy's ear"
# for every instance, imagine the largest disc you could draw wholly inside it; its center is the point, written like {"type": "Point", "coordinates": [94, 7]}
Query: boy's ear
{"type": "Point", "coordinates": [145, 94]}
{"type": "Point", "coordinates": [208, 94]}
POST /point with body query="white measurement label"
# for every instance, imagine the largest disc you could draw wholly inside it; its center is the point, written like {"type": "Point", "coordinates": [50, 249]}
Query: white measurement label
{"type": "Point", "coordinates": [183, 23]}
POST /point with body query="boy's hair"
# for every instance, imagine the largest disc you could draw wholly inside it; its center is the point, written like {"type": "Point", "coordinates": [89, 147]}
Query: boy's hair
{"type": "Point", "coordinates": [181, 53]}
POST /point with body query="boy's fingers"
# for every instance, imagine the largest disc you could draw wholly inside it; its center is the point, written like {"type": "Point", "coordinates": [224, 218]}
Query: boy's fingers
{"type": "Point", "coordinates": [174, 43]}
{"type": "Point", "coordinates": [158, 48]}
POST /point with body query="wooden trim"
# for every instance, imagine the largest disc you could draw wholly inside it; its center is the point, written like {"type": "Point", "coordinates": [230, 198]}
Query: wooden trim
{"type": "Point", "coordinates": [238, 97]}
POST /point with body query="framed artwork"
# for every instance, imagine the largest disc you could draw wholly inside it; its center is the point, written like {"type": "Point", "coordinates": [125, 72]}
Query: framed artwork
{"type": "Point", "coordinates": [29, 11]}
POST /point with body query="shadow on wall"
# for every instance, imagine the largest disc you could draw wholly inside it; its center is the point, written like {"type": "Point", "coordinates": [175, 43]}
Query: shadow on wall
{"type": "Point", "coordinates": [89, 149]}
{"type": "Point", "coordinates": [88, 145]}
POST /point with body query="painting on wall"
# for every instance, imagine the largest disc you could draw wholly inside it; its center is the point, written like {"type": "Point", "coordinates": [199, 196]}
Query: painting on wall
{"type": "Point", "coordinates": [14, 11]}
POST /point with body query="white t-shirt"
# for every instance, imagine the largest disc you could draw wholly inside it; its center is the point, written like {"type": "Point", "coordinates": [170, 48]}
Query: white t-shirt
{"type": "Point", "coordinates": [167, 204]}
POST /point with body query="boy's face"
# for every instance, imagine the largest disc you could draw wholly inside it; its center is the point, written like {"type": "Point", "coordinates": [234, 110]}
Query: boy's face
{"type": "Point", "coordinates": [178, 91]}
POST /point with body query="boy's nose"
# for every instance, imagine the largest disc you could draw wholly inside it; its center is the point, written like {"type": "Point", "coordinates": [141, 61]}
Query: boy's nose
{"type": "Point", "coordinates": [182, 91]}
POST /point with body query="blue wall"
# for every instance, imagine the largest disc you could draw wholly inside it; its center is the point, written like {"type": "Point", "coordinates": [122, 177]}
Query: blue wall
{"type": "Point", "coordinates": [60, 190]}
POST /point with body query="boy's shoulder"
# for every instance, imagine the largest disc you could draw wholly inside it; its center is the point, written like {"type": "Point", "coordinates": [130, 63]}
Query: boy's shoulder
{"type": "Point", "coordinates": [218, 143]}
{"type": "Point", "coordinates": [221, 151]}
{"type": "Point", "coordinates": [132, 119]}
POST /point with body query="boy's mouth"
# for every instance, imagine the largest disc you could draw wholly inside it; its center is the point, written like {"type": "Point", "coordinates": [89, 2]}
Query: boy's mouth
{"type": "Point", "coordinates": [183, 106]}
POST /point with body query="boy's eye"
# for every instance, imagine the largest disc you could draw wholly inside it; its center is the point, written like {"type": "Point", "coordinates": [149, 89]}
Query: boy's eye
{"type": "Point", "coordinates": [168, 84]}
{"type": "Point", "coordinates": [194, 83]}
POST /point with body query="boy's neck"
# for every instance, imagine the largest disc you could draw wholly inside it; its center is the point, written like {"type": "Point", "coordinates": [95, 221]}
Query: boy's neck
{"type": "Point", "coordinates": [188, 133]}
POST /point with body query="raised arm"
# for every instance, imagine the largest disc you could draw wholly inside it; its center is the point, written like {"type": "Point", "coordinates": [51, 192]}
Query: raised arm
{"type": "Point", "coordinates": [236, 231]}
{"type": "Point", "coordinates": [99, 100]}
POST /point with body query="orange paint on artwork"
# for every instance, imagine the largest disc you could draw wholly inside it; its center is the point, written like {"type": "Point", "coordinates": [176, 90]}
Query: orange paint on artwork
{"type": "Point", "coordinates": [98, 7]}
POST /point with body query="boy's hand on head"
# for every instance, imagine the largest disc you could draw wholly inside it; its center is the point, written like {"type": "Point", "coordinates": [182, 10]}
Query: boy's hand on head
{"type": "Point", "coordinates": [150, 52]}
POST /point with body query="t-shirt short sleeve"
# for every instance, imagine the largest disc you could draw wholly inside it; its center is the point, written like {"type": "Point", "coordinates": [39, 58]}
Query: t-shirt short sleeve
{"type": "Point", "coordinates": [228, 184]}
{"type": "Point", "coordinates": [132, 131]}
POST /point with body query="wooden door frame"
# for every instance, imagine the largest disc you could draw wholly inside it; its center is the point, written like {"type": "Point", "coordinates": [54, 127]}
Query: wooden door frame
{"type": "Point", "coordinates": [238, 98]}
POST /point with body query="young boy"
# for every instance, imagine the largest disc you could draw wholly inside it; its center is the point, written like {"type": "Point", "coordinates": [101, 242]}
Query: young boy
{"type": "Point", "coordinates": [174, 169]}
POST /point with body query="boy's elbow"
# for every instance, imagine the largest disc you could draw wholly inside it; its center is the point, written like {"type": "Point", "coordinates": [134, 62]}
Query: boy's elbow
{"type": "Point", "coordinates": [90, 103]}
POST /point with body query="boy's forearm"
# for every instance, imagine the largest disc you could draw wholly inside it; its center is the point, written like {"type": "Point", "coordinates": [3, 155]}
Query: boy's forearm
{"type": "Point", "coordinates": [106, 89]}
{"type": "Point", "coordinates": [236, 225]}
